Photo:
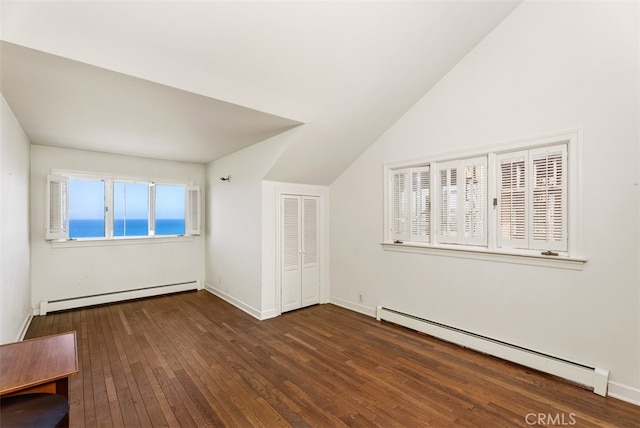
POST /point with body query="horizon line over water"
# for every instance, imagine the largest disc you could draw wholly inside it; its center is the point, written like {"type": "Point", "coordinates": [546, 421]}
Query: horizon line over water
{"type": "Point", "coordinates": [95, 228]}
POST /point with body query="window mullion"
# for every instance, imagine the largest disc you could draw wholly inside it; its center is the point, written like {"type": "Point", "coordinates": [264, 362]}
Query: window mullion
{"type": "Point", "coordinates": [434, 205]}
{"type": "Point", "coordinates": [492, 185]}
{"type": "Point", "coordinates": [152, 209]}
{"type": "Point", "coordinates": [528, 190]}
{"type": "Point", "coordinates": [460, 198]}
{"type": "Point", "coordinates": [108, 208]}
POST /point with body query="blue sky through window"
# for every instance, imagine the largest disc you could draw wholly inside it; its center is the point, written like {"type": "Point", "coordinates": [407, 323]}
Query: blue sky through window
{"type": "Point", "coordinates": [86, 199]}
{"type": "Point", "coordinates": [130, 201]}
{"type": "Point", "coordinates": [86, 209]}
{"type": "Point", "coordinates": [169, 202]}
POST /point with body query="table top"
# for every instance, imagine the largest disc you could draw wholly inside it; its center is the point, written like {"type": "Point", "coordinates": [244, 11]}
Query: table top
{"type": "Point", "coordinates": [37, 361]}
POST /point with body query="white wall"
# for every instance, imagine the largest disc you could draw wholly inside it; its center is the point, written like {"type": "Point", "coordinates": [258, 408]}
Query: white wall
{"type": "Point", "coordinates": [547, 67]}
{"type": "Point", "coordinates": [241, 246]}
{"type": "Point", "coordinates": [80, 271]}
{"type": "Point", "coordinates": [234, 223]}
{"type": "Point", "coordinates": [15, 289]}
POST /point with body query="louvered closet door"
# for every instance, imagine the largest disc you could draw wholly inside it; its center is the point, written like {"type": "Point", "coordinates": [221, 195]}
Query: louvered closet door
{"type": "Point", "coordinates": [300, 273]}
{"type": "Point", "coordinates": [291, 253]}
{"type": "Point", "coordinates": [310, 265]}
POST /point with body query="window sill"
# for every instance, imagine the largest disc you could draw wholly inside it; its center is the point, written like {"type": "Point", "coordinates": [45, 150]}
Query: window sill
{"type": "Point", "coordinates": [133, 240]}
{"type": "Point", "coordinates": [558, 262]}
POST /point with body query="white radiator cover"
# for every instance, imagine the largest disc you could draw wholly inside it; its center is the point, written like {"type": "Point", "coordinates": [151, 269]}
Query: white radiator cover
{"type": "Point", "coordinates": [117, 296]}
{"type": "Point", "coordinates": [592, 377]}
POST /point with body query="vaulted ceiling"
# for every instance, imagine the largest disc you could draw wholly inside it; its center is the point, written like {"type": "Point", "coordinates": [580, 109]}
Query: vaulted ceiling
{"type": "Point", "coordinates": [195, 81]}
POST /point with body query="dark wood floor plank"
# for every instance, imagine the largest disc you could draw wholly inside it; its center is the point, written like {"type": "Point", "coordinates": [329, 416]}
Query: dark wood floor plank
{"type": "Point", "coordinates": [124, 378]}
{"type": "Point", "coordinates": [193, 360]}
{"type": "Point", "coordinates": [99, 378]}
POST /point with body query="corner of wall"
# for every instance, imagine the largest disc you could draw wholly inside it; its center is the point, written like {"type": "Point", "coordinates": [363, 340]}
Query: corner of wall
{"type": "Point", "coordinates": [15, 242]}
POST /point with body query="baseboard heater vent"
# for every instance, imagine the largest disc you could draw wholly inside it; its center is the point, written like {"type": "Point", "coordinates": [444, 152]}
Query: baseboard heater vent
{"type": "Point", "coordinates": [116, 296]}
{"type": "Point", "coordinates": [592, 377]}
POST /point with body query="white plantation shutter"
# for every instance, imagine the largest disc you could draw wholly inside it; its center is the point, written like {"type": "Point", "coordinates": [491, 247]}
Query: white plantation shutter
{"type": "Point", "coordinates": [57, 208]}
{"type": "Point", "coordinates": [462, 201]}
{"type": "Point", "coordinates": [534, 194]}
{"type": "Point", "coordinates": [290, 231]}
{"type": "Point", "coordinates": [548, 207]}
{"type": "Point", "coordinates": [310, 230]}
{"type": "Point", "coordinates": [420, 204]}
{"type": "Point", "coordinates": [532, 199]}
{"type": "Point", "coordinates": [448, 202]}
{"type": "Point", "coordinates": [192, 210]}
{"type": "Point", "coordinates": [512, 200]}
{"type": "Point", "coordinates": [410, 204]}
{"type": "Point", "coordinates": [400, 205]}
{"type": "Point", "coordinates": [473, 178]}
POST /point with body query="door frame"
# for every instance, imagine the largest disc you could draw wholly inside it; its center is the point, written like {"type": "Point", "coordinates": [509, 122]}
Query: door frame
{"type": "Point", "coordinates": [322, 193]}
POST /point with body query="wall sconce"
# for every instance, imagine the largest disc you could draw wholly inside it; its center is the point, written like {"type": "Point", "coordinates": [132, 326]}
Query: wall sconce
{"type": "Point", "coordinates": [227, 178]}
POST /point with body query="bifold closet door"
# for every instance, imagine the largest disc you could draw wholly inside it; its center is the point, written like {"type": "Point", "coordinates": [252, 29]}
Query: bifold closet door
{"type": "Point", "coordinates": [310, 251]}
{"type": "Point", "coordinates": [300, 252]}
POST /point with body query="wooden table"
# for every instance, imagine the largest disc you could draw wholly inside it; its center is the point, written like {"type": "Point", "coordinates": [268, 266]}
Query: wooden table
{"type": "Point", "coordinates": [43, 364]}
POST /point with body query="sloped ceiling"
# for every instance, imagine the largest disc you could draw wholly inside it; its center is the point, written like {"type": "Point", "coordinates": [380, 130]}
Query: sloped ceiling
{"type": "Point", "coordinates": [194, 81]}
{"type": "Point", "coordinates": [64, 103]}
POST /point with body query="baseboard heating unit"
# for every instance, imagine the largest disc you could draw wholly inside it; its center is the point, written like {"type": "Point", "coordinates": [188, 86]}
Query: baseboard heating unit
{"type": "Point", "coordinates": [592, 377]}
{"type": "Point", "coordinates": [116, 296]}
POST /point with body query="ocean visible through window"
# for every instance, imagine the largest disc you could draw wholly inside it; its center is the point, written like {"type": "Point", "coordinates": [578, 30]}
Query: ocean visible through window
{"type": "Point", "coordinates": [94, 228]}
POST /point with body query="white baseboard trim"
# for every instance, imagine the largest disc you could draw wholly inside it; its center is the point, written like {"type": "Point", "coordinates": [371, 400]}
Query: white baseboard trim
{"type": "Point", "coordinates": [237, 303]}
{"type": "Point", "coordinates": [265, 315]}
{"type": "Point", "coordinates": [624, 392]}
{"type": "Point", "coordinates": [115, 296]}
{"type": "Point", "coordinates": [592, 377]}
{"type": "Point", "coordinates": [24, 327]}
{"type": "Point", "coordinates": [356, 307]}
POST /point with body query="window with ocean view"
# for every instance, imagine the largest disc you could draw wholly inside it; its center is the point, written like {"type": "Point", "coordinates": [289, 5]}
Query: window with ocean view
{"type": "Point", "coordinates": [86, 206]}
{"type": "Point", "coordinates": [130, 209]}
{"type": "Point", "coordinates": [170, 207]}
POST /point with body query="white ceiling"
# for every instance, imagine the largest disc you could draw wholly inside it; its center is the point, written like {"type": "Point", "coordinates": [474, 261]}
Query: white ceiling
{"type": "Point", "coordinates": [194, 81]}
{"type": "Point", "coordinates": [65, 103]}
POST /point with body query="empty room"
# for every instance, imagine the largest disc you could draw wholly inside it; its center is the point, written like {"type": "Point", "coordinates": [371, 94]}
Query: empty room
{"type": "Point", "coordinates": [320, 213]}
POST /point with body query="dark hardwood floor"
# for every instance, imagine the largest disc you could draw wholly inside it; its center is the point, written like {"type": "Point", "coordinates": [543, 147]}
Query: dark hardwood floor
{"type": "Point", "coordinates": [191, 359]}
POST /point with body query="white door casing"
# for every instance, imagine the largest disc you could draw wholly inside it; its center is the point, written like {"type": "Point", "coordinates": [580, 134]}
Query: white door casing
{"type": "Point", "coordinates": [300, 257]}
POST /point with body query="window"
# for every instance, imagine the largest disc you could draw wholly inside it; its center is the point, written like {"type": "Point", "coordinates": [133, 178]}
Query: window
{"type": "Point", "coordinates": [462, 207]}
{"type": "Point", "coordinates": [130, 209]}
{"type": "Point", "coordinates": [83, 206]}
{"type": "Point", "coordinates": [411, 204]}
{"type": "Point", "coordinates": [516, 199]}
{"type": "Point", "coordinates": [532, 199]}
{"type": "Point", "coordinates": [170, 210]}
{"type": "Point", "coordinates": [86, 208]}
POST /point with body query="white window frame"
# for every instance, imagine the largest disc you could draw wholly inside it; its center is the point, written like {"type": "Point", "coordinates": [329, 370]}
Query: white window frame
{"type": "Point", "coordinates": [57, 224]}
{"type": "Point", "coordinates": [572, 258]}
